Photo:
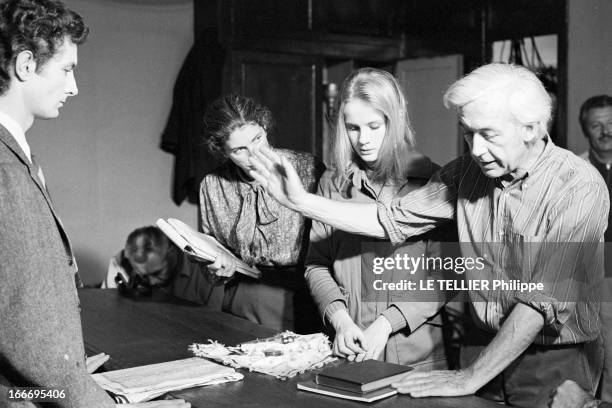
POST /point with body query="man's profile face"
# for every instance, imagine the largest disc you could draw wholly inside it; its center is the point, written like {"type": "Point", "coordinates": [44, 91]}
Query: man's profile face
{"type": "Point", "coordinates": [494, 137]}
{"type": "Point", "coordinates": [53, 83]}
{"type": "Point", "coordinates": [598, 125]}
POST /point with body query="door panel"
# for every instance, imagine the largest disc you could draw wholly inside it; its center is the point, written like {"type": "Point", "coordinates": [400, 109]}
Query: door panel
{"type": "Point", "coordinates": [290, 86]}
{"type": "Point", "coordinates": [424, 81]}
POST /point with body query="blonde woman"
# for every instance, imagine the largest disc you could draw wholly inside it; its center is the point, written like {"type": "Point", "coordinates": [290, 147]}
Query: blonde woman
{"type": "Point", "coordinates": [374, 157]}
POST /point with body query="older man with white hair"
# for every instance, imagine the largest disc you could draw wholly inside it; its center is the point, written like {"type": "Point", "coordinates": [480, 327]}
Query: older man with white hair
{"type": "Point", "coordinates": [515, 191]}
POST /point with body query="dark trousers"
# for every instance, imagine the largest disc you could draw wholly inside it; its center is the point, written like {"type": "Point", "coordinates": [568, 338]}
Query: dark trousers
{"type": "Point", "coordinates": [529, 380]}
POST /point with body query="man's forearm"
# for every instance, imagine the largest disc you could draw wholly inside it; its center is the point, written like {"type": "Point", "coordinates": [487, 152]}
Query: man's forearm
{"type": "Point", "coordinates": [356, 218]}
{"type": "Point", "coordinates": [516, 334]}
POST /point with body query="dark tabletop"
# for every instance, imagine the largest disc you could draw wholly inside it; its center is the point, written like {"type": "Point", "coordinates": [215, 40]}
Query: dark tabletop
{"type": "Point", "coordinates": [138, 332]}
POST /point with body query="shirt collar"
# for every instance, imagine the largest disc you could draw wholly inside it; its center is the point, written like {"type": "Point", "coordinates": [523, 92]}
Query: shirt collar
{"type": "Point", "coordinates": [17, 132]}
{"type": "Point", "coordinates": [357, 178]}
{"type": "Point", "coordinates": [521, 173]}
{"type": "Point", "coordinates": [420, 167]}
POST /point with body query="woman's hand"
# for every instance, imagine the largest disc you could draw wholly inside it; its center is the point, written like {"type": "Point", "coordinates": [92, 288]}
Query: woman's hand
{"type": "Point", "coordinates": [377, 335]}
{"type": "Point", "coordinates": [224, 265]}
{"type": "Point", "coordinates": [350, 341]}
{"type": "Point", "coordinates": [94, 362]}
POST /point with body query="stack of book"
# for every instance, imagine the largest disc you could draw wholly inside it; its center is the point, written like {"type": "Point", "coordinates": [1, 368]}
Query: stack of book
{"type": "Point", "coordinates": [366, 381]}
{"type": "Point", "coordinates": [144, 383]}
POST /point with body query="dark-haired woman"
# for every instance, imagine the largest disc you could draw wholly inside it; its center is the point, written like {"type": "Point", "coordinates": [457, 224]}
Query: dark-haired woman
{"type": "Point", "coordinates": [239, 213]}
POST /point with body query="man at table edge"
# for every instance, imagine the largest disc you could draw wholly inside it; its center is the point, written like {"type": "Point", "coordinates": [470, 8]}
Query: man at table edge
{"type": "Point", "coordinates": [504, 111]}
{"type": "Point", "coordinates": [41, 342]}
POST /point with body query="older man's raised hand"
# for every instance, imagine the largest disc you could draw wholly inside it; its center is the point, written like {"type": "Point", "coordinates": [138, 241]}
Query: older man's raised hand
{"type": "Point", "coordinates": [278, 176]}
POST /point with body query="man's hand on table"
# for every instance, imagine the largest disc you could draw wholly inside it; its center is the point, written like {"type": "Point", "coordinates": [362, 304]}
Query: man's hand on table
{"type": "Point", "coordinates": [514, 337]}
{"type": "Point", "coordinates": [440, 383]}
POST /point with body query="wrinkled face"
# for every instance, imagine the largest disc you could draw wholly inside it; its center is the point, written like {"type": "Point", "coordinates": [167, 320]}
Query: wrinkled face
{"type": "Point", "coordinates": [147, 261]}
{"type": "Point", "coordinates": [53, 84]}
{"type": "Point", "coordinates": [366, 128]}
{"type": "Point", "coordinates": [599, 129]}
{"type": "Point", "coordinates": [242, 141]}
{"type": "Point", "coordinates": [496, 140]}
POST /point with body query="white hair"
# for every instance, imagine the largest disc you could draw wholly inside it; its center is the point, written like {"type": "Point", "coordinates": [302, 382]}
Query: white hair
{"type": "Point", "coordinates": [514, 87]}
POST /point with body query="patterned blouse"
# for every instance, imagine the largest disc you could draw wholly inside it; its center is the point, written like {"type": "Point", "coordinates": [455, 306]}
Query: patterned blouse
{"type": "Point", "coordinates": [252, 224]}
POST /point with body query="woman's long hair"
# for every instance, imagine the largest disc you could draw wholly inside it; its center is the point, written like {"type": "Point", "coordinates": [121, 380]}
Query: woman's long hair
{"type": "Point", "coordinates": [380, 90]}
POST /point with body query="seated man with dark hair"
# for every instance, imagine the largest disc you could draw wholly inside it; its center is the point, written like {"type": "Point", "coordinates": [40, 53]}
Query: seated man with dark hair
{"type": "Point", "coordinates": [151, 263]}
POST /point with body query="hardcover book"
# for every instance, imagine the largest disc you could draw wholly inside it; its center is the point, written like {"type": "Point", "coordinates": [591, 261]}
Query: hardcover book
{"type": "Point", "coordinates": [362, 377]}
{"type": "Point", "coordinates": [371, 396]}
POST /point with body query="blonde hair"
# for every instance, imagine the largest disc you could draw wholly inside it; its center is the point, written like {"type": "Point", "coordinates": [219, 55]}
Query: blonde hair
{"type": "Point", "coordinates": [380, 90]}
{"type": "Point", "coordinates": [514, 87]}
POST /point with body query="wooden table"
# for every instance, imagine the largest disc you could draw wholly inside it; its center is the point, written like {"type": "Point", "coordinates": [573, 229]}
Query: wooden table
{"type": "Point", "coordinates": [137, 332]}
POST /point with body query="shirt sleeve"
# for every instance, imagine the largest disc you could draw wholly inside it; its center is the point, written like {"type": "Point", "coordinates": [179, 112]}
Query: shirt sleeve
{"type": "Point", "coordinates": [411, 309]}
{"type": "Point", "coordinates": [319, 261]}
{"type": "Point", "coordinates": [424, 208]}
{"type": "Point", "coordinates": [568, 260]}
{"type": "Point", "coordinates": [395, 318]}
{"type": "Point", "coordinates": [333, 307]}
{"type": "Point", "coordinates": [189, 282]}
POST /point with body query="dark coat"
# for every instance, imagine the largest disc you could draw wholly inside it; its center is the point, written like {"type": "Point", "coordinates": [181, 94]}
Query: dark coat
{"type": "Point", "coordinates": [199, 82]}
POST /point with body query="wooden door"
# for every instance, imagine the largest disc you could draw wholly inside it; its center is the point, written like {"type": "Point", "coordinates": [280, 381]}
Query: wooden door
{"type": "Point", "coordinates": [290, 85]}
{"type": "Point", "coordinates": [424, 81]}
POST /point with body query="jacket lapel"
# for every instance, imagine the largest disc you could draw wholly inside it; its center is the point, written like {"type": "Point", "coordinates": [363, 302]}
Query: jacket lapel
{"type": "Point", "coordinates": [11, 143]}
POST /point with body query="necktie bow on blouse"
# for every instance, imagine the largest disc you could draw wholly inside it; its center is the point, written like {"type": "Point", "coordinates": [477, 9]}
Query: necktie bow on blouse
{"type": "Point", "coordinates": [258, 209]}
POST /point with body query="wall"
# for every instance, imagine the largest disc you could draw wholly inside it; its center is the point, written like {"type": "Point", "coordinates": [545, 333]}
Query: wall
{"type": "Point", "coordinates": [589, 60]}
{"type": "Point", "coordinates": [104, 169]}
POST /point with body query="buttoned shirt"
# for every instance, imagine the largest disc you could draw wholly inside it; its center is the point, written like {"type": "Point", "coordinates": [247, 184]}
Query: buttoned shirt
{"type": "Point", "coordinates": [337, 280]}
{"type": "Point", "coordinates": [334, 256]}
{"type": "Point", "coordinates": [560, 200]}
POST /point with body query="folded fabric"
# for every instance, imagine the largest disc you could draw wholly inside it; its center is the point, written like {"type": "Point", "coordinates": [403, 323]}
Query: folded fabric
{"type": "Point", "coordinates": [143, 383]}
{"type": "Point", "coordinates": [282, 356]}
